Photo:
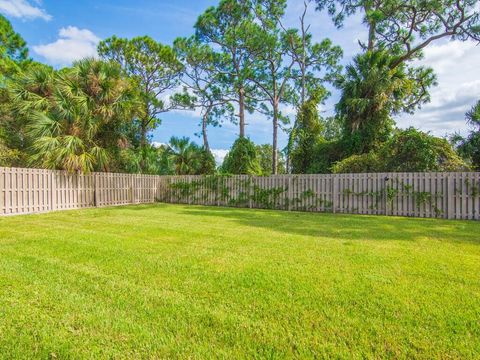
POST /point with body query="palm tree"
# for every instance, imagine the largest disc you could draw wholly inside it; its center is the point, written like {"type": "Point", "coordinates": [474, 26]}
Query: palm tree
{"type": "Point", "coordinates": [373, 89]}
{"type": "Point", "coordinates": [75, 114]}
{"type": "Point", "coordinates": [185, 155]}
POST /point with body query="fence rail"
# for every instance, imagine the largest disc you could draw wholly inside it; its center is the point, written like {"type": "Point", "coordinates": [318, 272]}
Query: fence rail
{"type": "Point", "coordinates": [435, 195]}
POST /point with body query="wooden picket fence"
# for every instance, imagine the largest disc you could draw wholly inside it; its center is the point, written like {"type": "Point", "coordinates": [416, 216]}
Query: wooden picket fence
{"type": "Point", "coordinates": [24, 191]}
{"type": "Point", "coordinates": [432, 195]}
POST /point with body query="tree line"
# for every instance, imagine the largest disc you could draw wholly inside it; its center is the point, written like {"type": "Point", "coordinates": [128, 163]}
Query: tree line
{"type": "Point", "coordinates": [98, 114]}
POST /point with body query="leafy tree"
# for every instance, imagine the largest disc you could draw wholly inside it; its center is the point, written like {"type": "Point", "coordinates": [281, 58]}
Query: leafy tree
{"type": "Point", "coordinates": [314, 65]}
{"type": "Point", "coordinates": [13, 50]}
{"type": "Point", "coordinates": [156, 70]}
{"type": "Point", "coordinates": [13, 57]}
{"type": "Point", "coordinates": [398, 31]}
{"type": "Point", "coordinates": [264, 154]}
{"type": "Point", "coordinates": [356, 164]}
{"type": "Point", "coordinates": [273, 70]}
{"type": "Point", "coordinates": [325, 154]}
{"type": "Point", "coordinates": [208, 165]}
{"type": "Point", "coordinates": [473, 116]}
{"type": "Point", "coordinates": [285, 61]}
{"type": "Point", "coordinates": [469, 147]}
{"type": "Point", "coordinates": [413, 150]}
{"type": "Point", "coordinates": [13, 143]}
{"type": "Point", "coordinates": [166, 165]}
{"type": "Point", "coordinates": [75, 115]}
{"type": "Point", "coordinates": [407, 151]}
{"type": "Point", "coordinates": [202, 84]}
{"type": "Point", "coordinates": [184, 155]}
{"type": "Point", "coordinates": [242, 159]}
{"type": "Point", "coordinates": [406, 27]}
{"type": "Point", "coordinates": [331, 128]}
{"type": "Point", "coordinates": [228, 28]}
{"type": "Point", "coordinates": [156, 160]}
{"type": "Point", "coordinates": [305, 136]}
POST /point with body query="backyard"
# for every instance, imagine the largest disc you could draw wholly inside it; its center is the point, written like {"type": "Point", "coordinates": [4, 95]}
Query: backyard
{"type": "Point", "coordinates": [200, 282]}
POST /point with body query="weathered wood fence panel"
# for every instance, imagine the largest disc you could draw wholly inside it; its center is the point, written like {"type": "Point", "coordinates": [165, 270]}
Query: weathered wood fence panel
{"type": "Point", "coordinates": [24, 191]}
{"type": "Point", "coordinates": [69, 191]}
{"type": "Point", "coordinates": [435, 195]}
{"type": "Point", "coordinates": [432, 195]}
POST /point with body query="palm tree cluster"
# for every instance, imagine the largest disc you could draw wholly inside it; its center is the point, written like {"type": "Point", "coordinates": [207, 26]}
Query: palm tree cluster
{"type": "Point", "coordinates": [74, 116]}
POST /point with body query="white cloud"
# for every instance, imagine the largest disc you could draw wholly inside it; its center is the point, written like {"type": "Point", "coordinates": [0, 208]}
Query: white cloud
{"type": "Point", "coordinates": [456, 65]}
{"type": "Point", "coordinates": [158, 144]}
{"type": "Point", "coordinates": [219, 155]}
{"type": "Point", "coordinates": [73, 44]}
{"type": "Point", "coordinates": [195, 113]}
{"type": "Point", "coordinates": [23, 9]}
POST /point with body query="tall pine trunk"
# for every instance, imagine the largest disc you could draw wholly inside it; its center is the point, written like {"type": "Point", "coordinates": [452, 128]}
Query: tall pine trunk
{"type": "Point", "coordinates": [241, 114]}
{"type": "Point", "coordinates": [371, 29]}
{"type": "Point", "coordinates": [143, 144]}
{"type": "Point", "coordinates": [206, 146]}
{"type": "Point", "coordinates": [275, 139]}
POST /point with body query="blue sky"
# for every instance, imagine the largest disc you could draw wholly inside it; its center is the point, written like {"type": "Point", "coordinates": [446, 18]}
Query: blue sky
{"type": "Point", "coordinates": [59, 32]}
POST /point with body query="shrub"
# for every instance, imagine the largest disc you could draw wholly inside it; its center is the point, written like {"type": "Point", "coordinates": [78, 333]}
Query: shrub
{"type": "Point", "coordinates": [358, 164]}
{"type": "Point", "coordinates": [327, 153]}
{"type": "Point", "coordinates": [408, 150]}
{"type": "Point", "coordinates": [242, 159]}
{"type": "Point", "coordinates": [469, 149]}
{"type": "Point", "coordinates": [207, 164]}
{"type": "Point", "coordinates": [414, 150]}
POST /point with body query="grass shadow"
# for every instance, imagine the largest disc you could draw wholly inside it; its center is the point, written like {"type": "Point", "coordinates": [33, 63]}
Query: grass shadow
{"type": "Point", "coordinates": [351, 227]}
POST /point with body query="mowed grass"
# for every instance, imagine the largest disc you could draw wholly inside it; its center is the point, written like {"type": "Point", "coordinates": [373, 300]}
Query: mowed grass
{"type": "Point", "coordinates": [167, 281]}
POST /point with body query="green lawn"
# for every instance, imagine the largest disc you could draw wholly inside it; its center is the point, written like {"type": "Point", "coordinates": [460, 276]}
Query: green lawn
{"type": "Point", "coordinates": [167, 281]}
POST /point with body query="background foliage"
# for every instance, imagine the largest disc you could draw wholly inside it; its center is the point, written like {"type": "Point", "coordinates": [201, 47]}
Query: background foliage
{"type": "Point", "coordinates": [98, 114]}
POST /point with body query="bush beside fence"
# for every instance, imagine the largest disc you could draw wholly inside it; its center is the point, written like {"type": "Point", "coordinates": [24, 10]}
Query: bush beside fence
{"type": "Point", "coordinates": [432, 195]}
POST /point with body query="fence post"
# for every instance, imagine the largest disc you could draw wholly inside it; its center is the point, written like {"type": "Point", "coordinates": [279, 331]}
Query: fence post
{"type": "Point", "coordinates": [385, 179]}
{"type": "Point", "coordinates": [130, 182]}
{"type": "Point", "coordinates": [290, 192]}
{"type": "Point", "coordinates": [53, 180]}
{"type": "Point", "coordinates": [188, 181]}
{"type": "Point", "coordinates": [451, 193]}
{"type": "Point", "coordinates": [334, 193]}
{"type": "Point", "coordinates": [96, 194]}
{"type": "Point", "coordinates": [3, 191]}
{"type": "Point", "coordinates": [250, 191]}
{"type": "Point", "coordinates": [220, 178]}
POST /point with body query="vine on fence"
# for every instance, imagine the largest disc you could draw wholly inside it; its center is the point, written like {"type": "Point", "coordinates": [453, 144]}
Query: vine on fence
{"type": "Point", "coordinates": [245, 192]}
{"type": "Point", "coordinates": [389, 193]}
{"type": "Point", "coordinates": [217, 189]}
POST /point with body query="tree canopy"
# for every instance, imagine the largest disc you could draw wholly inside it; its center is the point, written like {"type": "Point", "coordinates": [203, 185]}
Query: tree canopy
{"type": "Point", "coordinates": [242, 64]}
{"type": "Point", "coordinates": [13, 48]}
{"type": "Point", "coordinates": [156, 70]}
